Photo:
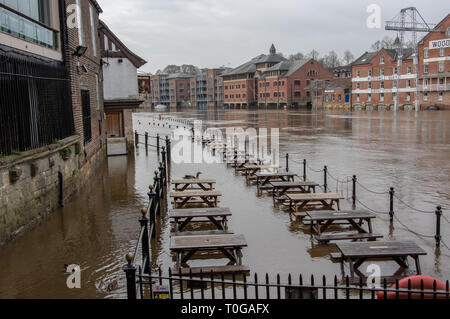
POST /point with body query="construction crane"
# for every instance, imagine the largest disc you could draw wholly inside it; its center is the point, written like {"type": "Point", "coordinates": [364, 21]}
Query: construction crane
{"type": "Point", "coordinates": [409, 20]}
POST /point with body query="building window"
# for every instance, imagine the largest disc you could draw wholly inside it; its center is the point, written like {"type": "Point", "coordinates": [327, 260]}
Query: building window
{"type": "Point", "coordinates": [441, 81]}
{"type": "Point", "coordinates": [275, 94]}
{"type": "Point", "coordinates": [382, 59]}
{"type": "Point", "coordinates": [358, 85]}
{"type": "Point", "coordinates": [448, 31]}
{"type": "Point", "coordinates": [297, 94]}
{"type": "Point", "coordinates": [441, 67]}
{"type": "Point", "coordinates": [358, 73]}
{"type": "Point", "coordinates": [425, 96]}
{"type": "Point", "coordinates": [297, 82]}
{"type": "Point", "coordinates": [425, 53]}
{"type": "Point", "coordinates": [308, 94]}
{"type": "Point", "coordinates": [369, 73]}
{"type": "Point", "coordinates": [93, 29]}
{"type": "Point", "coordinates": [395, 70]}
{"type": "Point", "coordinates": [408, 96]}
{"type": "Point", "coordinates": [369, 98]}
{"type": "Point", "coordinates": [357, 97]}
{"type": "Point", "coordinates": [80, 24]}
{"type": "Point", "coordinates": [425, 68]}
{"type": "Point", "coordinates": [440, 96]}
{"type": "Point", "coordinates": [275, 83]}
{"type": "Point", "coordinates": [408, 83]}
{"type": "Point", "coordinates": [382, 71]}
{"type": "Point", "coordinates": [382, 84]}
{"type": "Point", "coordinates": [243, 86]}
{"type": "Point", "coordinates": [409, 70]}
{"type": "Point", "coordinates": [441, 52]}
{"type": "Point", "coordinates": [369, 85]}
{"type": "Point", "coordinates": [382, 97]}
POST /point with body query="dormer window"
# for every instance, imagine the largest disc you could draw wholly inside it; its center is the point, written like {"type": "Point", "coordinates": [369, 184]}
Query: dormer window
{"type": "Point", "coordinates": [382, 59]}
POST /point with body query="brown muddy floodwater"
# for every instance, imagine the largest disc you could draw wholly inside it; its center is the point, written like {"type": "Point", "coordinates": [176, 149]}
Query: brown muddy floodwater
{"type": "Point", "coordinates": [100, 225]}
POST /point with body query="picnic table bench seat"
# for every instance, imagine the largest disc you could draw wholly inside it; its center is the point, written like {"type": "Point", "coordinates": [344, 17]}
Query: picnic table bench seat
{"type": "Point", "coordinates": [216, 270]}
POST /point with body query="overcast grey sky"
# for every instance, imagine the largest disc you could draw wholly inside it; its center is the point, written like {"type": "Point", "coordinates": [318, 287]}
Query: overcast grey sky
{"type": "Point", "coordinates": [211, 33]}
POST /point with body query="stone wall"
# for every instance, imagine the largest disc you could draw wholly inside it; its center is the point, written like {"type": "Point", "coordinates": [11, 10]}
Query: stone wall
{"type": "Point", "coordinates": [29, 183]}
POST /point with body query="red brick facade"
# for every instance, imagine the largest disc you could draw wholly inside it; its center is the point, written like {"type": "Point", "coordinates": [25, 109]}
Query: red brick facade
{"type": "Point", "coordinates": [434, 67]}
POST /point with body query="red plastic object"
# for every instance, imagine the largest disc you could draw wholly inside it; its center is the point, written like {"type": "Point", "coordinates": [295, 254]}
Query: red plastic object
{"type": "Point", "coordinates": [428, 283]}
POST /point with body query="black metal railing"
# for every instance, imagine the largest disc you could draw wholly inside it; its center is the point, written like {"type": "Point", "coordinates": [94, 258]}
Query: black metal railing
{"type": "Point", "coordinates": [213, 286]}
{"type": "Point", "coordinates": [36, 105]}
{"type": "Point", "coordinates": [148, 226]}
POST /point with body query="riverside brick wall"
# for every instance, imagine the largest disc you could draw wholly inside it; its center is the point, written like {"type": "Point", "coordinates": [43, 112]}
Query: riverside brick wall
{"type": "Point", "coordinates": [29, 183]}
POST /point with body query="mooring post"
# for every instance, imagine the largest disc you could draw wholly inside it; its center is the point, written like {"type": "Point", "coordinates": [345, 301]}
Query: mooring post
{"type": "Point", "coordinates": [146, 140]}
{"type": "Point", "coordinates": [136, 138]}
{"type": "Point", "coordinates": [61, 189]}
{"type": "Point", "coordinates": [145, 242]}
{"type": "Point", "coordinates": [304, 170]}
{"type": "Point", "coordinates": [391, 204]}
{"type": "Point", "coordinates": [325, 183]}
{"type": "Point", "coordinates": [354, 191]}
{"type": "Point", "coordinates": [152, 215]}
{"type": "Point", "coordinates": [438, 226]}
{"type": "Point", "coordinates": [130, 272]}
{"type": "Point", "coordinates": [287, 162]}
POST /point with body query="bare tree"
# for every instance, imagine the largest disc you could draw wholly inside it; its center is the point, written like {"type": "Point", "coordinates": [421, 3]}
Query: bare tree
{"type": "Point", "coordinates": [348, 57]}
{"type": "Point", "coordinates": [296, 56]}
{"type": "Point", "coordinates": [331, 60]}
{"type": "Point", "coordinates": [314, 54]}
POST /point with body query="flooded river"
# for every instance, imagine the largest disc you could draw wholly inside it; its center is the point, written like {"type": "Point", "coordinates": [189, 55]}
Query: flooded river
{"type": "Point", "coordinates": [95, 230]}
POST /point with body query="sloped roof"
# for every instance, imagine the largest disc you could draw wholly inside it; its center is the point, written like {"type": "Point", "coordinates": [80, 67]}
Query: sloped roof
{"type": "Point", "coordinates": [179, 76]}
{"type": "Point", "coordinates": [288, 67]}
{"type": "Point", "coordinates": [135, 59]}
{"type": "Point", "coordinates": [366, 58]}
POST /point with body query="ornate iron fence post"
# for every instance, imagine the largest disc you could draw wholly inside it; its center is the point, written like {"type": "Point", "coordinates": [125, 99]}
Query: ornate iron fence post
{"type": "Point", "coordinates": [146, 140]}
{"type": "Point", "coordinates": [354, 179]}
{"type": "Point", "coordinates": [168, 150]}
{"type": "Point", "coordinates": [136, 138]}
{"type": "Point", "coordinates": [157, 144]}
{"type": "Point", "coordinates": [145, 241]}
{"type": "Point", "coordinates": [438, 226]}
{"type": "Point", "coordinates": [130, 272]}
{"type": "Point", "coordinates": [152, 215]}
{"type": "Point", "coordinates": [391, 204]}
{"type": "Point", "coordinates": [325, 183]}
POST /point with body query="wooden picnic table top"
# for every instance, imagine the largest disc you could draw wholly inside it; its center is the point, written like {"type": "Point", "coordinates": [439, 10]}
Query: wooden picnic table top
{"type": "Point", "coordinates": [180, 243]}
{"type": "Point", "coordinates": [292, 184]}
{"type": "Point", "coordinates": [314, 196]}
{"type": "Point", "coordinates": [196, 194]}
{"type": "Point", "coordinates": [193, 181]}
{"type": "Point", "coordinates": [380, 249]}
{"type": "Point", "coordinates": [281, 174]}
{"type": "Point", "coordinates": [200, 212]}
{"type": "Point", "coordinates": [324, 215]}
{"type": "Point", "coordinates": [252, 166]}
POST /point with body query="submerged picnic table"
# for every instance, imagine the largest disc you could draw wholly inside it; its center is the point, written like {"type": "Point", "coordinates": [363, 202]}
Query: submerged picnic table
{"type": "Point", "coordinates": [209, 198]}
{"type": "Point", "coordinates": [203, 184]}
{"type": "Point", "coordinates": [217, 216]}
{"type": "Point", "coordinates": [281, 188]}
{"type": "Point", "coordinates": [263, 179]}
{"type": "Point", "coordinates": [249, 170]}
{"type": "Point", "coordinates": [323, 200]}
{"type": "Point", "coordinates": [357, 253]}
{"type": "Point", "coordinates": [322, 220]}
{"type": "Point", "coordinates": [229, 245]}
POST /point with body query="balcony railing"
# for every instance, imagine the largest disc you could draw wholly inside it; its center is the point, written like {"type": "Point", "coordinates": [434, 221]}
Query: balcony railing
{"type": "Point", "coordinates": [434, 87]}
{"type": "Point", "coordinates": [23, 27]}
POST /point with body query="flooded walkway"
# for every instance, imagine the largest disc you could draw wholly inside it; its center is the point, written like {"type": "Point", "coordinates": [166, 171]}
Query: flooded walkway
{"type": "Point", "coordinates": [100, 225]}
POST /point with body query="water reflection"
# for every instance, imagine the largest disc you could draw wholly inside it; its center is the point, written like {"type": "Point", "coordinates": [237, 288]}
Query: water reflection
{"type": "Point", "coordinates": [99, 226]}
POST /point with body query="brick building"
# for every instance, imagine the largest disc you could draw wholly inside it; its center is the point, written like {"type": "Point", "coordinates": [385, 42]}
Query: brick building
{"type": "Point", "coordinates": [434, 67]}
{"type": "Point", "coordinates": [160, 90]}
{"type": "Point", "coordinates": [378, 81]}
{"type": "Point", "coordinates": [206, 89]}
{"type": "Point", "coordinates": [272, 81]}
{"type": "Point", "coordinates": [84, 62]}
{"type": "Point", "coordinates": [179, 90]}
{"type": "Point", "coordinates": [240, 84]}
